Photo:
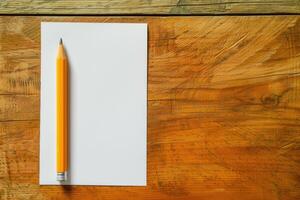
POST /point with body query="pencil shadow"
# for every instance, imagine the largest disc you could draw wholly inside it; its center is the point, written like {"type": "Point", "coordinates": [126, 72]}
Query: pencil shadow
{"type": "Point", "coordinates": [67, 189]}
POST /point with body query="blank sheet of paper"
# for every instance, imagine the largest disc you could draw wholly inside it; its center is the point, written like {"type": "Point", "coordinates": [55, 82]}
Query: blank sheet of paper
{"type": "Point", "coordinates": [108, 102]}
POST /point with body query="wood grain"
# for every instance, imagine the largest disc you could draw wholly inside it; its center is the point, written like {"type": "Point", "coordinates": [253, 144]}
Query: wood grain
{"type": "Point", "coordinates": [223, 110]}
{"type": "Point", "coordinates": [136, 7]}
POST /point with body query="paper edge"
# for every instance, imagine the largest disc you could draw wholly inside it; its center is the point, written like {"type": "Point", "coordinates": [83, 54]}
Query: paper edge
{"type": "Point", "coordinates": [42, 183]}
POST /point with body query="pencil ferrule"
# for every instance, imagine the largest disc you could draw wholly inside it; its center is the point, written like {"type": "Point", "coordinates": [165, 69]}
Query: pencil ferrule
{"type": "Point", "coordinates": [61, 176]}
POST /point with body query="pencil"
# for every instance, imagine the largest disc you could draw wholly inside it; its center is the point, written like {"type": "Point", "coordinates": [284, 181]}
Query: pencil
{"type": "Point", "coordinates": [62, 113]}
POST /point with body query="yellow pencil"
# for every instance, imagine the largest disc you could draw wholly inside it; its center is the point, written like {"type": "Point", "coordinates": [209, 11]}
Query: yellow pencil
{"type": "Point", "coordinates": [62, 113]}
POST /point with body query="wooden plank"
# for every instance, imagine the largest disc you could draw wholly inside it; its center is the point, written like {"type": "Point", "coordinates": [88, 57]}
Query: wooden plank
{"type": "Point", "coordinates": [138, 7]}
{"type": "Point", "coordinates": [223, 109]}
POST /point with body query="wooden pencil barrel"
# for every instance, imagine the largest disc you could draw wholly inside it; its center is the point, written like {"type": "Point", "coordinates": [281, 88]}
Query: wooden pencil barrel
{"type": "Point", "coordinates": [62, 110]}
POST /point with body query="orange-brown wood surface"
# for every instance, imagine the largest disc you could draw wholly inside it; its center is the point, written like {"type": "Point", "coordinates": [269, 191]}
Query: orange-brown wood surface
{"type": "Point", "coordinates": [223, 110]}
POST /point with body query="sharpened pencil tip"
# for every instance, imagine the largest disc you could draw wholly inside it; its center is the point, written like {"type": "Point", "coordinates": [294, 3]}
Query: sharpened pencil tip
{"type": "Point", "coordinates": [60, 41]}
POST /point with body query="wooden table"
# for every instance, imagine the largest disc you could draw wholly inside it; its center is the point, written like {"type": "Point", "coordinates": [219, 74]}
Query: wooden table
{"type": "Point", "coordinates": [223, 109]}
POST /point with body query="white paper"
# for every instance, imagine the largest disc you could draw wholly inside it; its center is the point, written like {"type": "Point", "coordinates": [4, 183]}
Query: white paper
{"type": "Point", "coordinates": [108, 102]}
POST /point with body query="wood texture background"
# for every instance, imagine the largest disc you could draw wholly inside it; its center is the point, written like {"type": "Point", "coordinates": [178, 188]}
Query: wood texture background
{"type": "Point", "coordinates": [223, 110]}
{"type": "Point", "coordinates": [161, 7]}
